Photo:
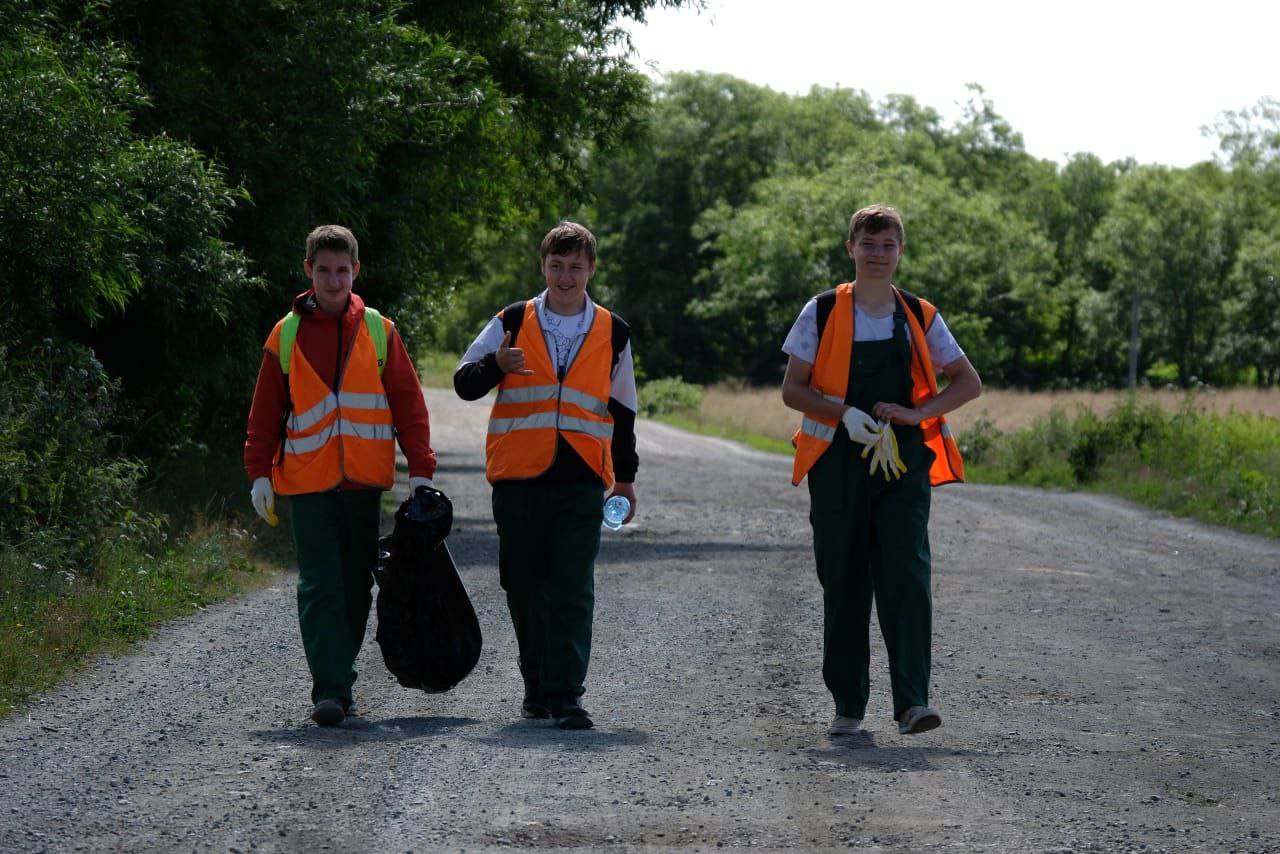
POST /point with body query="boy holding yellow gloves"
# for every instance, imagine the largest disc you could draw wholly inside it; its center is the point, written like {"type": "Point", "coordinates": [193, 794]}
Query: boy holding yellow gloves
{"type": "Point", "coordinates": [862, 357]}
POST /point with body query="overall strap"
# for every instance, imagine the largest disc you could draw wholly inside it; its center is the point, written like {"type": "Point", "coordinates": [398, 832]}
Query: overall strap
{"type": "Point", "coordinates": [902, 349]}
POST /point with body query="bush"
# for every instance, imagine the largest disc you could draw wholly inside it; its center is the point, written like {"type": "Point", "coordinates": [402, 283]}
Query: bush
{"type": "Point", "coordinates": [669, 395]}
{"type": "Point", "coordinates": [66, 491]}
{"type": "Point", "coordinates": [1222, 469]}
{"type": "Point", "coordinates": [977, 442]}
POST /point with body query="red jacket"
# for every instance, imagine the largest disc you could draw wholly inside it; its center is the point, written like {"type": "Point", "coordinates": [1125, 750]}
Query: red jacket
{"type": "Point", "coordinates": [319, 336]}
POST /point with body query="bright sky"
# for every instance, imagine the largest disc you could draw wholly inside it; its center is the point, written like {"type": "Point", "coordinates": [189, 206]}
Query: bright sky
{"type": "Point", "coordinates": [1124, 78]}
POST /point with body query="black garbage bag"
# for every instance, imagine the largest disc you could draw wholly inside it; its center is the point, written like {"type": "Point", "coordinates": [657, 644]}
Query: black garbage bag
{"type": "Point", "coordinates": [427, 628]}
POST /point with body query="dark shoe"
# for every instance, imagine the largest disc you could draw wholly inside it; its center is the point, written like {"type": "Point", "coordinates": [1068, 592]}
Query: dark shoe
{"type": "Point", "coordinates": [534, 707]}
{"type": "Point", "coordinates": [918, 719]}
{"type": "Point", "coordinates": [328, 712]}
{"type": "Point", "coordinates": [568, 713]}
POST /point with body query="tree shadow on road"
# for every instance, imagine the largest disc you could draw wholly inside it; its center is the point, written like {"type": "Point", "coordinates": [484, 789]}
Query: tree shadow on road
{"type": "Point", "coordinates": [539, 734]}
{"type": "Point", "coordinates": [861, 749]}
{"type": "Point", "coordinates": [358, 730]}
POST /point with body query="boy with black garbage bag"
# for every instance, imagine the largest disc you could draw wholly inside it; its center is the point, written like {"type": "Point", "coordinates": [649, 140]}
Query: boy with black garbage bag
{"type": "Point", "coordinates": [336, 389]}
{"type": "Point", "coordinates": [561, 434]}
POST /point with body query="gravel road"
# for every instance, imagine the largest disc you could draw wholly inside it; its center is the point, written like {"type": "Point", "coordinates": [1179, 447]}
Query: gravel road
{"type": "Point", "coordinates": [1107, 676]}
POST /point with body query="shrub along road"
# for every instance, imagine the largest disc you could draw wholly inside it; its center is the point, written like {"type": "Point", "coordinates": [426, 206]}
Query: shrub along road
{"type": "Point", "coordinates": [1107, 679]}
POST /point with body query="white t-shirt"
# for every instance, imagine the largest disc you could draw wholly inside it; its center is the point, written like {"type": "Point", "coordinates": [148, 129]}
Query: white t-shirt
{"type": "Point", "coordinates": [802, 340]}
{"type": "Point", "coordinates": [575, 328]}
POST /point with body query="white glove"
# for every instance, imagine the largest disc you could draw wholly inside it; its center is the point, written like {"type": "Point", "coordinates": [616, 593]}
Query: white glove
{"type": "Point", "coordinates": [415, 482]}
{"type": "Point", "coordinates": [861, 426]}
{"type": "Point", "coordinates": [264, 500]}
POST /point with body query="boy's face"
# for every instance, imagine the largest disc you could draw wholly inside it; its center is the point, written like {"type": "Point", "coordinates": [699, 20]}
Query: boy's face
{"type": "Point", "coordinates": [875, 256]}
{"type": "Point", "coordinates": [567, 277]}
{"type": "Point", "coordinates": [332, 275]}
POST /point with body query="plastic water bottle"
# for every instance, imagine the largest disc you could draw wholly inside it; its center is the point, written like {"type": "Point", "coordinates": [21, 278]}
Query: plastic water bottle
{"type": "Point", "coordinates": [616, 509]}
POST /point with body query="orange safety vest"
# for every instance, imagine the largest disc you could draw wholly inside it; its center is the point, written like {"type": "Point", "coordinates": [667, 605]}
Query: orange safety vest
{"type": "Point", "coordinates": [334, 437]}
{"type": "Point", "coordinates": [830, 378]}
{"type": "Point", "coordinates": [531, 412]}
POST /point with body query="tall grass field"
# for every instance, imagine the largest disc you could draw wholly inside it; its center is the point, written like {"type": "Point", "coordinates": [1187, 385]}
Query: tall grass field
{"type": "Point", "coordinates": [1209, 455]}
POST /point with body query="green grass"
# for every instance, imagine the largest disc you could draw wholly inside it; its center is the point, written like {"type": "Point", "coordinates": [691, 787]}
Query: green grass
{"type": "Point", "coordinates": [1223, 469]}
{"type": "Point", "coordinates": [695, 423]}
{"type": "Point", "coordinates": [52, 622]}
{"type": "Point", "coordinates": [435, 370]}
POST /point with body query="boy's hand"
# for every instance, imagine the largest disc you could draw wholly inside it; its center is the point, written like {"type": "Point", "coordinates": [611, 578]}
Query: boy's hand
{"type": "Point", "coordinates": [861, 426]}
{"type": "Point", "coordinates": [263, 499]}
{"type": "Point", "coordinates": [511, 359]}
{"type": "Point", "coordinates": [627, 491]}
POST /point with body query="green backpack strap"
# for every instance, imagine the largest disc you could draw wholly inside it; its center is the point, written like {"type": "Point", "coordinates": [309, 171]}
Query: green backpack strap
{"type": "Point", "coordinates": [378, 332]}
{"type": "Point", "coordinates": [372, 321]}
{"type": "Point", "coordinates": [288, 332]}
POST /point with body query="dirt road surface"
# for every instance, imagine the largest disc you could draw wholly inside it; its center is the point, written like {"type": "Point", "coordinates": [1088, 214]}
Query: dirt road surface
{"type": "Point", "coordinates": [1108, 679]}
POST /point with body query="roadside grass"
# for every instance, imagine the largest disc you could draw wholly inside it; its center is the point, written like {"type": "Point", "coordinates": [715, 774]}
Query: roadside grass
{"type": "Point", "coordinates": [51, 623]}
{"type": "Point", "coordinates": [1210, 455]}
{"type": "Point", "coordinates": [435, 370]}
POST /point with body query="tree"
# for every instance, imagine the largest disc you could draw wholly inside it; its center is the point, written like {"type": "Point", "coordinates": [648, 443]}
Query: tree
{"type": "Point", "coordinates": [1251, 327]}
{"type": "Point", "coordinates": [105, 226]}
{"type": "Point", "coordinates": [1165, 241]}
{"type": "Point", "coordinates": [708, 140]}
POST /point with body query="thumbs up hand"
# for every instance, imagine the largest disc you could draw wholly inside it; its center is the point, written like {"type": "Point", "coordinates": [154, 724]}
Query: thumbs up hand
{"type": "Point", "coordinates": [511, 359]}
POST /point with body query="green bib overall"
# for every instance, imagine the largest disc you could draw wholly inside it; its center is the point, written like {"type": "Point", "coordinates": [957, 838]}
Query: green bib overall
{"type": "Point", "coordinates": [871, 541]}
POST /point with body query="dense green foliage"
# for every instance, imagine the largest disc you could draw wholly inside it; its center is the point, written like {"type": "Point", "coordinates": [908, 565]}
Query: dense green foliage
{"type": "Point", "coordinates": [731, 208]}
{"type": "Point", "coordinates": [668, 395]}
{"type": "Point", "coordinates": [1221, 469]}
{"type": "Point", "coordinates": [160, 166]}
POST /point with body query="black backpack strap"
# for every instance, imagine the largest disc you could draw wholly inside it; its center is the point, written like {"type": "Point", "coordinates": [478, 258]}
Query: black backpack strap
{"type": "Point", "coordinates": [913, 303]}
{"type": "Point", "coordinates": [621, 335]}
{"type": "Point", "coordinates": [512, 319]}
{"type": "Point", "coordinates": [826, 302]}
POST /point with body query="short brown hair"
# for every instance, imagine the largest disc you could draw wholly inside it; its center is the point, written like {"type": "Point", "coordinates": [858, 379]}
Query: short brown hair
{"type": "Point", "coordinates": [335, 238]}
{"type": "Point", "coordinates": [567, 238]}
{"type": "Point", "coordinates": [875, 219]}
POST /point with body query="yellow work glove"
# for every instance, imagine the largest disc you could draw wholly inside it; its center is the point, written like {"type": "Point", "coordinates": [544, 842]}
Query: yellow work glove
{"type": "Point", "coordinates": [884, 454]}
{"type": "Point", "coordinates": [263, 498]}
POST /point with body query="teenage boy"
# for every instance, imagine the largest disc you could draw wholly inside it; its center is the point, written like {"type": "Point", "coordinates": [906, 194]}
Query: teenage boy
{"type": "Point", "coordinates": [861, 369]}
{"type": "Point", "coordinates": [561, 434]}
{"type": "Point", "coordinates": [335, 390]}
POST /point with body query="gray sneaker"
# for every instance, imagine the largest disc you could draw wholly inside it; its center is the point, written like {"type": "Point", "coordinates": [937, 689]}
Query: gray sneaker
{"type": "Point", "coordinates": [844, 725]}
{"type": "Point", "coordinates": [918, 719]}
{"type": "Point", "coordinates": [328, 712]}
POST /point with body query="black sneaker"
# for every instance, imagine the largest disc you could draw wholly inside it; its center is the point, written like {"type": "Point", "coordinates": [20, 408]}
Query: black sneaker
{"type": "Point", "coordinates": [568, 713]}
{"type": "Point", "coordinates": [534, 707]}
{"type": "Point", "coordinates": [328, 712]}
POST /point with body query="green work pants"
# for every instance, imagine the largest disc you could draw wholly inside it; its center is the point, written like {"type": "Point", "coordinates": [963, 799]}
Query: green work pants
{"type": "Point", "coordinates": [548, 538]}
{"type": "Point", "coordinates": [336, 537]}
{"type": "Point", "coordinates": [871, 542]}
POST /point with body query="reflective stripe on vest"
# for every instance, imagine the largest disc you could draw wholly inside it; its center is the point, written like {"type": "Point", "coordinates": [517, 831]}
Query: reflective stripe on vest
{"type": "Point", "coordinates": [818, 429]}
{"type": "Point", "coordinates": [335, 437]}
{"type": "Point", "coordinates": [344, 399]}
{"type": "Point", "coordinates": [830, 378]}
{"type": "Point", "coordinates": [531, 413]}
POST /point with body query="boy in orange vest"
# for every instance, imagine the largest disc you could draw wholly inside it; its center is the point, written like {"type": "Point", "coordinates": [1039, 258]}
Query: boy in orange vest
{"type": "Point", "coordinates": [861, 368]}
{"type": "Point", "coordinates": [335, 390]}
{"type": "Point", "coordinates": [561, 434]}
